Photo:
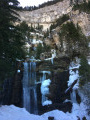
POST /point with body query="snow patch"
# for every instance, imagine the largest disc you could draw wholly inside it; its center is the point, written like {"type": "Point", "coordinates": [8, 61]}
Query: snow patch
{"type": "Point", "coordinates": [18, 71]}
{"type": "Point", "coordinates": [37, 41]}
{"type": "Point", "coordinates": [47, 102]}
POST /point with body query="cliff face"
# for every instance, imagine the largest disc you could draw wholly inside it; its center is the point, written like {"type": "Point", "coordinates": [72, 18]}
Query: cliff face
{"type": "Point", "coordinates": [48, 15]}
{"type": "Point", "coordinates": [83, 20]}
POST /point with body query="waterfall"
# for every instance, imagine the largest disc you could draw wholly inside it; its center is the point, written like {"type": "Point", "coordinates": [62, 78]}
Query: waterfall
{"type": "Point", "coordinates": [32, 73]}
{"type": "Point", "coordinates": [74, 75]}
{"type": "Point", "coordinates": [44, 75]}
{"type": "Point", "coordinates": [33, 100]}
{"type": "Point", "coordinates": [26, 96]}
{"type": "Point", "coordinates": [44, 89]}
{"type": "Point", "coordinates": [53, 55]}
{"type": "Point", "coordinates": [29, 88]}
{"type": "Point", "coordinates": [73, 96]}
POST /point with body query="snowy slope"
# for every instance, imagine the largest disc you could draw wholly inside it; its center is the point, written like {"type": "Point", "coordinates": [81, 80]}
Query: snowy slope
{"type": "Point", "coordinates": [14, 113]}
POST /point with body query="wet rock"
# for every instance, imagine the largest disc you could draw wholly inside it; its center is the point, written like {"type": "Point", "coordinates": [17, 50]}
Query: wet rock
{"type": "Point", "coordinates": [60, 106]}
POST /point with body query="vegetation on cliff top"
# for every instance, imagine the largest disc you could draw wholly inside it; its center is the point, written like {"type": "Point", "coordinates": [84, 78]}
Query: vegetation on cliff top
{"type": "Point", "coordinates": [85, 7]}
{"type": "Point", "coordinates": [84, 71]}
{"type": "Point", "coordinates": [48, 3]}
{"type": "Point", "coordinates": [59, 21]}
{"type": "Point", "coordinates": [76, 42]}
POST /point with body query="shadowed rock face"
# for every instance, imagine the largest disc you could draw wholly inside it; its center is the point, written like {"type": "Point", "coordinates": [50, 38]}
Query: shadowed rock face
{"type": "Point", "coordinates": [16, 97]}
{"type": "Point", "coordinates": [12, 88]}
{"type": "Point", "coordinates": [57, 93]}
{"type": "Point", "coordinates": [59, 77]}
{"type": "Point", "coordinates": [58, 86]}
{"type": "Point", "coordinates": [6, 92]}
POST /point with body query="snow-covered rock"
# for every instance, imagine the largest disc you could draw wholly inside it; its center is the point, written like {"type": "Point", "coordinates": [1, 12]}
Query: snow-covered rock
{"type": "Point", "coordinates": [47, 102]}
{"type": "Point", "coordinates": [45, 86]}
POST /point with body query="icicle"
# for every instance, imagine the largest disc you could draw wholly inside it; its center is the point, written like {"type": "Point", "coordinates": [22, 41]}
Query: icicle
{"type": "Point", "coordinates": [73, 96]}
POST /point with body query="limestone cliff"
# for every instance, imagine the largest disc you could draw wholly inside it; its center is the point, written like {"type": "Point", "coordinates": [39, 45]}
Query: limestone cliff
{"type": "Point", "coordinates": [48, 15]}
{"type": "Point", "coordinates": [83, 20]}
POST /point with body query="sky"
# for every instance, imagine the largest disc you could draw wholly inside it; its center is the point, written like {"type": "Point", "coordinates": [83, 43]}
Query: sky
{"type": "Point", "coordinates": [24, 3]}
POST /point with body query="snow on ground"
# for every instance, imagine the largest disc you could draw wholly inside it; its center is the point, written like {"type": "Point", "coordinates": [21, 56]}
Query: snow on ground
{"type": "Point", "coordinates": [79, 110]}
{"type": "Point", "coordinates": [59, 115]}
{"type": "Point", "coordinates": [14, 113]}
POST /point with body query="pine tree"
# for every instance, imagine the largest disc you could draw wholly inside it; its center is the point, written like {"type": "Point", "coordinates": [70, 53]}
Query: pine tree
{"type": "Point", "coordinates": [84, 71]}
{"type": "Point", "coordinates": [25, 31]}
{"type": "Point", "coordinates": [10, 37]}
{"type": "Point", "coordinates": [39, 50]}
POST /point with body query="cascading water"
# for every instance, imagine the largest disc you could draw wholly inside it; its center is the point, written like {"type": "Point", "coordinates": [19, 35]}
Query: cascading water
{"type": "Point", "coordinates": [29, 88]}
{"type": "Point", "coordinates": [74, 75]}
{"type": "Point", "coordinates": [44, 88]}
{"type": "Point", "coordinates": [26, 96]}
{"type": "Point", "coordinates": [32, 73]}
{"type": "Point", "coordinates": [33, 100]}
{"type": "Point", "coordinates": [44, 75]}
{"type": "Point", "coordinates": [73, 96]}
